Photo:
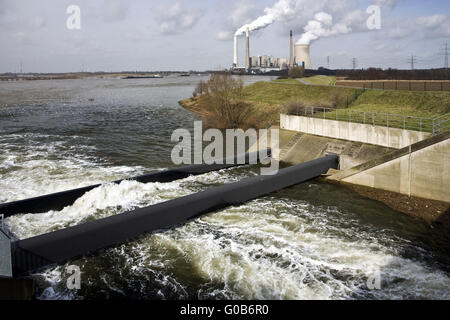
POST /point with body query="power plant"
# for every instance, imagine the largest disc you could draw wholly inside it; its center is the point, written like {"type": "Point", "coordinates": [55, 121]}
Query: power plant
{"type": "Point", "coordinates": [247, 50]}
{"type": "Point", "coordinates": [291, 50]}
{"type": "Point", "coordinates": [302, 57]}
{"type": "Point", "coordinates": [299, 55]}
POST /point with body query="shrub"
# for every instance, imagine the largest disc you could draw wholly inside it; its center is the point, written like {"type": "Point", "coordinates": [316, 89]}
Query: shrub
{"type": "Point", "coordinates": [294, 107]}
{"type": "Point", "coordinates": [200, 89]}
{"type": "Point", "coordinates": [224, 99]}
{"type": "Point", "coordinates": [296, 72]}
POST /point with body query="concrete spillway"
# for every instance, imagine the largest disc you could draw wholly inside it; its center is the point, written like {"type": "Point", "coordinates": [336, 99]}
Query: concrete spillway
{"type": "Point", "coordinates": [57, 201]}
{"type": "Point", "coordinates": [62, 245]}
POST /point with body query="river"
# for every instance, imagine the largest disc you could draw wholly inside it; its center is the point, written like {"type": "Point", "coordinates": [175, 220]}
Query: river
{"type": "Point", "coordinates": [311, 241]}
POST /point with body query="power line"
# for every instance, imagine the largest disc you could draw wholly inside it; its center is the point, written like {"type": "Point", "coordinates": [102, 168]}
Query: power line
{"type": "Point", "coordinates": [354, 63]}
{"type": "Point", "coordinates": [444, 52]}
{"type": "Point", "coordinates": [412, 60]}
{"type": "Point", "coordinates": [328, 62]}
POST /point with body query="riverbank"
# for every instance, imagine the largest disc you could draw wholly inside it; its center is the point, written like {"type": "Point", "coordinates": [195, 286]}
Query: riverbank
{"type": "Point", "coordinates": [276, 93]}
{"type": "Point", "coordinates": [432, 211]}
{"type": "Point", "coordinates": [269, 97]}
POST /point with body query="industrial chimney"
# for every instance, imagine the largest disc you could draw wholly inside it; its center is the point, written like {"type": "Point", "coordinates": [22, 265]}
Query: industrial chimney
{"type": "Point", "coordinates": [302, 57]}
{"type": "Point", "coordinates": [235, 60]}
{"type": "Point", "coordinates": [247, 50]}
{"type": "Point", "coordinates": [291, 51]}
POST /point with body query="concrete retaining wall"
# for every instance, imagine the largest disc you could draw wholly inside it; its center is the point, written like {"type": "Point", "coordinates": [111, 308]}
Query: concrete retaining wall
{"type": "Point", "coordinates": [421, 170]}
{"type": "Point", "coordinates": [366, 133]}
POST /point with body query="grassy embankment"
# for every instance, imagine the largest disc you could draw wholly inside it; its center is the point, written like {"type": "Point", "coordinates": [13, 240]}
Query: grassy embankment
{"type": "Point", "coordinates": [267, 100]}
{"type": "Point", "coordinates": [321, 80]}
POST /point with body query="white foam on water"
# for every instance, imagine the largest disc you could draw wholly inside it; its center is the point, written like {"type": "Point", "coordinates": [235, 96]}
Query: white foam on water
{"type": "Point", "coordinates": [34, 164]}
{"type": "Point", "coordinates": [263, 255]}
{"type": "Point", "coordinates": [101, 202]}
{"type": "Point", "coordinates": [270, 248]}
{"type": "Point", "coordinates": [266, 249]}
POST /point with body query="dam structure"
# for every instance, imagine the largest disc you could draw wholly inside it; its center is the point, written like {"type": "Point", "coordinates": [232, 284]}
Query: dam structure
{"type": "Point", "coordinates": [89, 237]}
{"type": "Point", "coordinates": [400, 154]}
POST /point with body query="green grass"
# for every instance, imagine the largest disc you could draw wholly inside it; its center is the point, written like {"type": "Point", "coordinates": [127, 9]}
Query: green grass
{"type": "Point", "coordinates": [268, 99]}
{"type": "Point", "coordinates": [287, 81]}
{"type": "Point", "coordinates": [321, 80]}
{"type": "Point", "coordinates": [404, 107]}
{"type": "Point", "coordinates": [417, 103]}
{"type": "Point", "coordinates": [376, 117]}
{"type": "Point", "coordinates": [281, 91]}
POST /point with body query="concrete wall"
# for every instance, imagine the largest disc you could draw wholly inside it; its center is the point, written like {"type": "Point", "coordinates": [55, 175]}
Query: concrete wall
{"type": "Point", "coordinates": [5, 255]}
{"type": "Point", "coordinates": [423, 173]}
{"type": "Point", "coordinates": [308, 147]}
{"type": "Point", "coordinates": [366, 133]}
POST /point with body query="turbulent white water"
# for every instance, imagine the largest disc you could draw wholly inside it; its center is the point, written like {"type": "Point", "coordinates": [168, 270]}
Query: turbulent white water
{"type": "Point", "coordinates": [312, 241]}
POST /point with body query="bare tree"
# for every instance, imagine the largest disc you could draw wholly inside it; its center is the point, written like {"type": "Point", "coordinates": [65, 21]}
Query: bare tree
{"type": "Point", "coordinates": [296, 72]}
{"type": "Point", "coordinates": [224, 98]}
{"type": "Point", "coordinates": [200, 89]}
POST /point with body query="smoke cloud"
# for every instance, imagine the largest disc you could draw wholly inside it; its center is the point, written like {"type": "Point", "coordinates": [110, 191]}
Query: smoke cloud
{"type": "Point", "coordinates": [322, 26]}
{"type": "Point", "coordinates": [280, 11]}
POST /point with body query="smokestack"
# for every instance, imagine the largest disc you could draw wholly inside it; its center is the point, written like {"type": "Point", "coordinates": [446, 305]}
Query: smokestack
{"type": "Point", "coordinates": [291, 51]}
{"type": "Point", "coordinates": [235, 60]}
{"type": "Point", "coordinates": [247, 50]}
{"type": "Point", "coordinates": [302, 57]}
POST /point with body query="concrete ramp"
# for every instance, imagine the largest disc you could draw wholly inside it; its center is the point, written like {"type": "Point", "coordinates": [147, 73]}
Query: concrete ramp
{"type": "Point", "coordinates": [305, 147]}
{"type": "Point", "coordinates": [421, 170]}
{"type": "Point", "coordinates": [62, 245]}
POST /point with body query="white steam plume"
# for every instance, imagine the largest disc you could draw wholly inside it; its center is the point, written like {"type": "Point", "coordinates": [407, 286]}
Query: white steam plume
{"type": "Point", "coordinates": [280, 10]}
{"type": "Point", "coordinates": [322, 26]}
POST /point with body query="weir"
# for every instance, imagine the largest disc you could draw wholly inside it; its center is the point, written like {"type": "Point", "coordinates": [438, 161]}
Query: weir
{"type": "Point", "coordinates": [57, 201]}
{"type": "Point", "coordinates": [62, 245]}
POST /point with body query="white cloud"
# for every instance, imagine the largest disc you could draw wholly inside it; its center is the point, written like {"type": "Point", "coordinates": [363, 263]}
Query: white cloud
{"type": "Point", "coordinates": [224, 35]}
{"type": "Point", "coordinates": [38, 22]}
{"type": "Point", "coordinates": [175, 19]}
{"type": "Point", "coordinates": [433, 21]}
{"type": "Point", "coordinates": [114, 10]}
{"type": "Point", "coordinates": [389, 4]}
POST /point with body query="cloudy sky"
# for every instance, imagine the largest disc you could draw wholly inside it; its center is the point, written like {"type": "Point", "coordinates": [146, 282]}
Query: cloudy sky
{"type": "Point", "coordinates": [120, 35]}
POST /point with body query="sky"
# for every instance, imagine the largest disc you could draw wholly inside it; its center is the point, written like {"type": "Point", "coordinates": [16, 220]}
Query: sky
{"type": "Point", "coordinates": [148, 35]}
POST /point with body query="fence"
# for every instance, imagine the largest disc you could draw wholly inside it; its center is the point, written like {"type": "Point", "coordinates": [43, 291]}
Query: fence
{"type": "Point", "coordinates": [421, 124]}
{"type": "Point", "coordinates": [441, 124]}
{"type": "Point", "coordinates": [413, 85]}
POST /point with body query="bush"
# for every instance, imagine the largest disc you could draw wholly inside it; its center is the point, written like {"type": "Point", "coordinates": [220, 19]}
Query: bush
{"type": "Point", "coordinates": [294, 107]}
{"type": "Point", "coordinates": [296, 72]}
{"type": "Point", "coordinates": [224, 99]}
{"type": "Point", "coordinates": [337, 99]}
{"type": "Point", "coordinates": [200, 89]}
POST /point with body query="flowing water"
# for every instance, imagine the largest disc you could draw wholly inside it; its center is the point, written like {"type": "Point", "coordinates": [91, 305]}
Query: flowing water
{"type": "Point", "coordinates": [310, 241]}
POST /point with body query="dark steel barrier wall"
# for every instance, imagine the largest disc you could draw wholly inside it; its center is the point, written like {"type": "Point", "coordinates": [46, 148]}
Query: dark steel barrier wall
{"type": "Point", "coordinates": [65, 244]}
{"type": "Point", "coordinates": [57, 201]}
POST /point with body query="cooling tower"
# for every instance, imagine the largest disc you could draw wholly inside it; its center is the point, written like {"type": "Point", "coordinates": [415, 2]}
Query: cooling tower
{"type": "Point", "coordinates": [235, 60]}
{"type": "Point", "coordinates": [302, 57]}
{"type": "Point", "coordinates": [247, 50]}
{"type": "Point", "coordinates": [291, 51]}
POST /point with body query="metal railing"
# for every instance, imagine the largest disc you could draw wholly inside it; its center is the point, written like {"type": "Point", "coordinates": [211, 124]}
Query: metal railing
{"type": "Point", "coordinates": [432, 125]}
{"type": "Point", "coordinates": [441, 124]}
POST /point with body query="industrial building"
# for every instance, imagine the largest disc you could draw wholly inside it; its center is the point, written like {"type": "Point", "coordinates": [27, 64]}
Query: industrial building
{"type": "Point", "coordinates": [299, 55]}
